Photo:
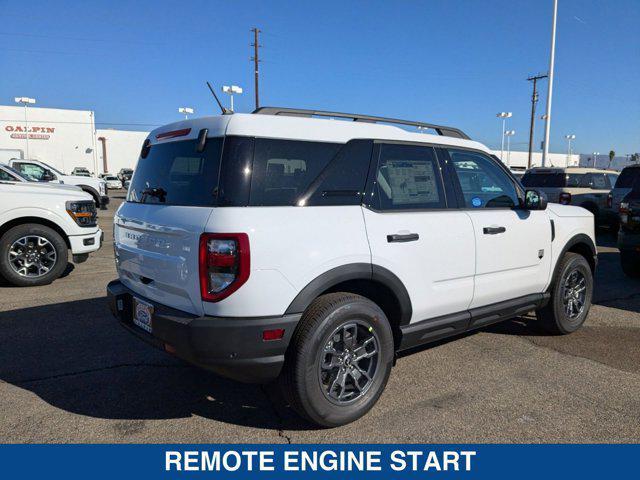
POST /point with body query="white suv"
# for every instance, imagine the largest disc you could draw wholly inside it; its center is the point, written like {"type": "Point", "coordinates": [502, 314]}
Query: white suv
{"type": "Point", "coordinates": [39, 224]}
{"type": "Point", "coordinates": [276, 245]}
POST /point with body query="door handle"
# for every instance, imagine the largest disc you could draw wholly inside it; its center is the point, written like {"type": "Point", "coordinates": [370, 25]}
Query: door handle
{"type": "Point", "coordinates": [493, 230]}
{"type": "Point", "coordinates": [397, 237]}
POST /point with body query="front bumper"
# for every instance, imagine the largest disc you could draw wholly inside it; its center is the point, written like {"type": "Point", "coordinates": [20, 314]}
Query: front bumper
{"type": "Point", "coordinates": [83, 244]}
{"type": "Point", "coordinates": [231, 347]}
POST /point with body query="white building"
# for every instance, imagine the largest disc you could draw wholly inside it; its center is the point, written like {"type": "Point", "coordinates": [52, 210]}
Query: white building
{"type": "Point", "coordinates": [118, 149]}
{"type": "Point", "coordinates": [66, 139]}
{"type": "Point", "coordinates": [521, 159]}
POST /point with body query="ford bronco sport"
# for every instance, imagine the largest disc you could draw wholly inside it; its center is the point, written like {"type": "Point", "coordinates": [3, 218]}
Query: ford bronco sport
{"type": "Point", "coordinates": [280, 245]}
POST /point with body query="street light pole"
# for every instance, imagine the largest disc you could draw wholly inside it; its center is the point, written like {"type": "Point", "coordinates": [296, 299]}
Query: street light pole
{"type": "Point", "coordinates": [231, 90]}
{"type": "Point", "coordinates": [26, 101]}
{"type": "Point", "coordinates": [186, 111]}
{"type": "Point", "coordinates": [509, 134]}
{"type": "Point", "coordinates": [503, 116]}
{"type": "Point", "coordinates": [569, 152]}
{"type": "Point", "coordinates": [547, 124]}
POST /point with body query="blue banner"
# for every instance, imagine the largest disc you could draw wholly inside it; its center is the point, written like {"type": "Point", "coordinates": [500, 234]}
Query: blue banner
{"type": "Point", "coordinates": [319, 461]}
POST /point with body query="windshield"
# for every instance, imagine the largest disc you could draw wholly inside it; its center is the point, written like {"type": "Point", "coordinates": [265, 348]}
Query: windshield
{"type": "Point", "coordinates": [19, 175]}
{"type": "Point", "coordinates": [544, 180]}
{"type": "Point", "coordinates": [175, 174]}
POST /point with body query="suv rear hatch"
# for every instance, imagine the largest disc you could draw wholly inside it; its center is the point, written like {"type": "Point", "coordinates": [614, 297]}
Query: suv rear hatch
{"type": "Point", "coordinates": [549, 181]}
{"type": "Point", "coordinates": [158, 229]}
{"type": "Point", "coordinates": [623, 185]}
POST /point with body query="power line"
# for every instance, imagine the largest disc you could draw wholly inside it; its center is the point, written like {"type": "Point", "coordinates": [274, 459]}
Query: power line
{"type": "Point", "coordinates": [256, 61]}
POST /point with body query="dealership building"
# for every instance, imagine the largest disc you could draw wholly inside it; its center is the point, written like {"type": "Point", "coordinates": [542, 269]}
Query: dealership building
{"type": "Point", "coordinates": [67, 139]}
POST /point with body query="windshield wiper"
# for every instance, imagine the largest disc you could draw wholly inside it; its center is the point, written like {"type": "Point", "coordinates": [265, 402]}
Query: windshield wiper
{"type": "Point", "coordinates": [158, 192]}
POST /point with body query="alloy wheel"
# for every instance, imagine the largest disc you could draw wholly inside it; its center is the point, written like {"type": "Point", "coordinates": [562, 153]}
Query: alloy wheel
{"type": "Point", "coordinates": [574, 293]}
{"type": "Point", "coordinates": [348, 362]}
{"type": "Point", "coordinates": [32, 256]}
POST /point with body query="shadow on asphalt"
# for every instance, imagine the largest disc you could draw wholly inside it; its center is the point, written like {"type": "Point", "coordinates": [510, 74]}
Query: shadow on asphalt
{"type": "Point", "coordinates": [76, 357]}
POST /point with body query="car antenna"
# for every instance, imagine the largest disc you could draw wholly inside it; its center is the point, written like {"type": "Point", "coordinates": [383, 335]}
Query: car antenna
{"type": "Point", "coordinates": [225, 111]}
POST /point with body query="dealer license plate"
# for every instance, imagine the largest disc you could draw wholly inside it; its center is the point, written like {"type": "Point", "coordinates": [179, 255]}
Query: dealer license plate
{"type": "Point", "coordinates": [142, 314]}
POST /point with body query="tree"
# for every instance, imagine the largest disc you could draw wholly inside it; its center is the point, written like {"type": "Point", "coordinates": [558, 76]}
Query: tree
{"type": "Point", "coordinates": [612, 155]}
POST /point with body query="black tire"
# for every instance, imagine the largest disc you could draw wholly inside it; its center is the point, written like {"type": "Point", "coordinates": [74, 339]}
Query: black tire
{"type": "Point", "coordinates": [630, 263]}
{"type": "Point", "coordinates": [303, 378]}
{"type": "Point", "coordinates": [18, 232]}
{"type": "Point", "coordinates": [554, 317]}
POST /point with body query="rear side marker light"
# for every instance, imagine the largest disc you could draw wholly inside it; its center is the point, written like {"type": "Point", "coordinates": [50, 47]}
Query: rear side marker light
{"type": "Point", "coordinates": [169, 348]}
{"type": "Point", "coordinates": [224, 263]}
{"type": "Point", "coordinates": [173, 134]}
{"type": "Point", "coordinates": [609, 201]}
{"type": "Point", "coordinates": [275, 334]}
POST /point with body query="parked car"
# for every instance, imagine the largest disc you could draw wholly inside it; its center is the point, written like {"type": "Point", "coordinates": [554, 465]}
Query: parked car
{"type": "Point", "coordinates": [113, 182]}
{"type": "Point", "coordinates": [629, 234]}
{"type": "Point", "coordinates": [584, 187]}
{"type": "Point", "coordinates": [126, 184]}
{"type": "Point", "coordinates": [40, 171]}
{"type": "Point", "coordinates": [125, 174]}
{"type": "Point", "coordinates": [9, 174]}
{"type": "Point", "coordinates": [39, 224]}
{"type": "Point", "coordinates": [81, 172]}
{"type": "Point", "coordinates": [621, 188]}
{"type": "Point", "coordinates": [518, 172]}
{"type": "Point", "coordinates": [275, 245]}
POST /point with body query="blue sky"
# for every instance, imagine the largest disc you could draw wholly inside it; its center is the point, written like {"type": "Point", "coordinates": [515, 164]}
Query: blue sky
{"type": "Point", "coordinates": [450, 62]}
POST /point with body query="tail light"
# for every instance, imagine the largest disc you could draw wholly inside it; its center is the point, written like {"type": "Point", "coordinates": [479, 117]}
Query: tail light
{"type": "Point", "coordinates": [224, 264]}
{"type": "Point", "coordinates": [624, 212]}
{"type": "Point", "coordinates": [609, 201]}
{"type": "Point", "coordinates": [565, 198]}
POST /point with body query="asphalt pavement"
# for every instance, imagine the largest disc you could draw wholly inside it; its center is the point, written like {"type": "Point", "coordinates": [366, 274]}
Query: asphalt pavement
{"type": "Point", "coordinates": [70, 373]}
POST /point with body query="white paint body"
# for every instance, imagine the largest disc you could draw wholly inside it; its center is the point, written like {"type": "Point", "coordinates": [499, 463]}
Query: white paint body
{"type": "Point", "coordinates": [452, 268]}
{"type": "Point", "coordinates": [19, 200]}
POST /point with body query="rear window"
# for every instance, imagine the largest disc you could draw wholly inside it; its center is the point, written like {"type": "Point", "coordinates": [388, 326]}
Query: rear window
{"type": "Point", "coordinates": [544, 180]}
{"type": "Point", "coordinates": [627, 177]}
{"type": "Point", "coordinates": [175, 174]}
{"type": "Point", "coordinates": [283, 169]}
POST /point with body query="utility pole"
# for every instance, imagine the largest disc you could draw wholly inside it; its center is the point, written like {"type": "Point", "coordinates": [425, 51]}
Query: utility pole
{"type": "Point", "coordinates": [552, 55]}
{"type": "Point", "coordinates": [256, 61]}
{"type": "Point", "coordinates": [534, 100]}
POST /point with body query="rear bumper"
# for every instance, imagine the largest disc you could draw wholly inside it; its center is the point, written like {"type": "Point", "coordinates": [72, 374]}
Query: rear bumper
{"type": "Point", "coordinates": [231, 347]}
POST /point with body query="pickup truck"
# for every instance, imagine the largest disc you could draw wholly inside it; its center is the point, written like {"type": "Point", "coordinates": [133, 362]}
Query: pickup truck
{"type": "Point", "coordinates": [42, 172]}
{"type": "Point", "coordinates": [39, 224]}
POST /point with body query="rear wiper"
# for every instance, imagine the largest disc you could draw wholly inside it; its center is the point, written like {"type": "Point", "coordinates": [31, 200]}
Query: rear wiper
{"type": "Point", "coordinates": [158, 192]}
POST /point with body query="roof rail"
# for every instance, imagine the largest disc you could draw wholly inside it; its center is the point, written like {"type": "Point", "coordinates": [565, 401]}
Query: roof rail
{"type": "Point", "coordinates": [297, 112]}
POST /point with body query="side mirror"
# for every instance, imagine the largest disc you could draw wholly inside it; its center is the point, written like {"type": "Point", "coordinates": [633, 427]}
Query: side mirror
{"type": "Point", "coordinates": [48, 176]}
{"type": "Point", "coordinates": [535, 200]}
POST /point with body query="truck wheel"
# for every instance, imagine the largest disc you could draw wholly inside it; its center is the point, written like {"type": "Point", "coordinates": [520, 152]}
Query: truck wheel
{"type": "Point", "coordinates": [571, 293]}
{"type": "Point", "coordinates": [339, 359]}
{"type": "Point", "coordinates": [630, 262]}
{"type": "Point", "coordinates": [32, 254]}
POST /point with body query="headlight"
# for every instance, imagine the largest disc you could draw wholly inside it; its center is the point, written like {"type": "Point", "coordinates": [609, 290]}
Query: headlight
{"type": "Point", "coordinates": [83, 212]}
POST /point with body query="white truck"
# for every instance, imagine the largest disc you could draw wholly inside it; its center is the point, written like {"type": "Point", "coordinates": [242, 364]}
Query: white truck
{"type": "Point", "coordinates": [39, 224]}
{"type": "Point", "coordinates": [42, 172]}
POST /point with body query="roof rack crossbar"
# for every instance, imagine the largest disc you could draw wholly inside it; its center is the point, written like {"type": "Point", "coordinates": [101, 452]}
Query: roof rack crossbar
{"type": "Point", "coordinates": [297, 112]}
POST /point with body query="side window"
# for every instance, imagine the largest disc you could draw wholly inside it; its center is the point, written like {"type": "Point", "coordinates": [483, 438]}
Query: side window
{"type": "Point", "coordinates": [599, 182]}
{"type": "Point", "coordinates": [484, 184]}
{"type": "Point", "coordinates": [31, 170]}
{"type": "Point", "coordinates": [283, 169]}
{"type": "Point", "coordinates": [611, 178]}
{"type": "Point", "coordinates": [408, 177]}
